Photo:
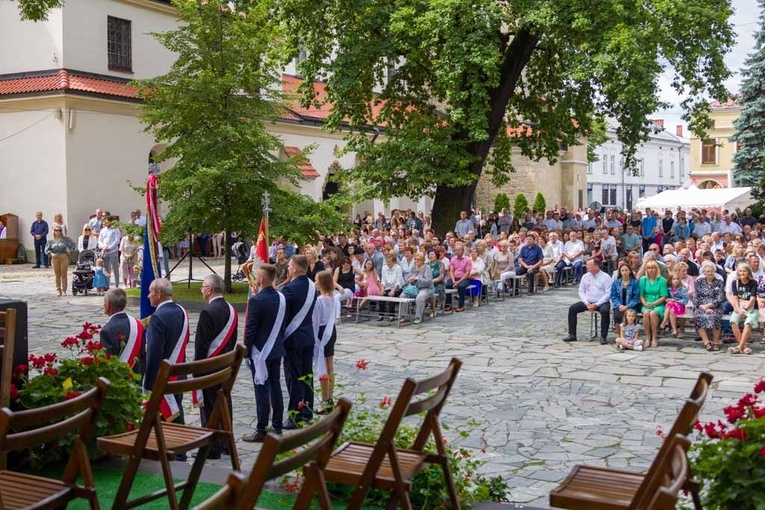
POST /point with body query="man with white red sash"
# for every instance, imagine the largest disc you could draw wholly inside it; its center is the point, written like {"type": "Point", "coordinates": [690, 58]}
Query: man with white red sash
{"type": "Point", "coordinates": [300, 294]}
{"type": "Point", "coordinates": [166, 339]}
{"type": "Point", "coordinates": [122, 334]}
{"type": "Point", "coordinates": [216, 335]}
{"type": "Point", "coordinates": [264, 340]}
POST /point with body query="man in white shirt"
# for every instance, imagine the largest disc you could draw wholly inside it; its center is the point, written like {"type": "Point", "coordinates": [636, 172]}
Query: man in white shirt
{"type": "Point", "coordinates": [595, 296]}
{"type": "Point", "coordinates": [95, 222]}
{"type": "Point", "coordinates": [139, 220]}
{"type": "Point", "coordinates": [728, 227]}
{"type": "Point", "coordinates": [109, 243]}
{"type": "Point", "coordinates": [572, 255]}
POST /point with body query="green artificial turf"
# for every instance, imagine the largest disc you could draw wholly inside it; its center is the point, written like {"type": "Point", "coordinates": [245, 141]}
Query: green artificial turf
{"type": "Point", "coordinates": [182, 292]}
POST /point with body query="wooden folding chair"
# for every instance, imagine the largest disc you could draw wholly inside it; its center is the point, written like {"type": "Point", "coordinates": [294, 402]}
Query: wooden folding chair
{"type": "Point", "coordinates": [385, 467]}
{"type": "Point", "coordinates": [35, 427]}
{"type": "Point", "coordinates": [8, 336]}
{"type": "Point", "coordinates": [163, 441]}
{"type": "Point", "coordinates": [594, 488]}
{"type": "Point", "coordinates": [675, 471]}
{"type": "Point", "coordinates": [312, 446]}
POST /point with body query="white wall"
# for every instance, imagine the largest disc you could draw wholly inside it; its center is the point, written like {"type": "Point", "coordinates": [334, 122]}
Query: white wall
{"type": "Point", "coordinates": [85, 38]}
{"type": "Point", "coordinates": [105, 150]}
{"type": "Point", "coordinates": [29, 46]}
{"type": "Point", "coordinates": [32, 169]}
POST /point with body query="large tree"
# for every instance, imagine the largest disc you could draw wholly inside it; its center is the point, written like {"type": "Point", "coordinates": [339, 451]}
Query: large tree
{"type": "Point", "coordinates": [211, 109]}
{"type": "Point", "coordinates": [457, 83]}
{"type": "Point", "coordinates": [749, 159]}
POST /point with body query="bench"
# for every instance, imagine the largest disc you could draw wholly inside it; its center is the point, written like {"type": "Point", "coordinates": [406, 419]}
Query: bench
{"type": "Point", "coordinates": [453, 294]}
{"type": "Point", "coordinates": [402, 302]}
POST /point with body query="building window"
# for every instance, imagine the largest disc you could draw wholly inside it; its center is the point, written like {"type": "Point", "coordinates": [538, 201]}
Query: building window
{"type": "Point", "coordinates": [708, 152]}
{"type": "Point", "coordinates": [605, 165]}
{"type": "Point", "coordinates": [613, 195]}
{"type": "Point", "coordinates": [641, 191]}
{"type": "Point", "coordinates": [604, 195]}
{"type": "Point", "coordinates": [301, 53]}
{"type": "Point", "coordinates": [391, 70]}
{"type": "Point", "coordinates": [642, 168]}
{"type": "Point", "coordinates": [671, 168]}
{"type": "Point", "coordinates": [661, 168]}
{"type": "Point", "coordinates": [119, 46]}
{"type": "Point", "coordinates": [682, 167]}
{"type": "Point", "coordinates": [613, 165]}
{"type": "Point", "coordinates": [589, 168]}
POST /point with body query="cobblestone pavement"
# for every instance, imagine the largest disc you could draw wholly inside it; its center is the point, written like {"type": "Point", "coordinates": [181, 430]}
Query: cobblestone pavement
{"type": "Point", "coordinates": [542, 405]}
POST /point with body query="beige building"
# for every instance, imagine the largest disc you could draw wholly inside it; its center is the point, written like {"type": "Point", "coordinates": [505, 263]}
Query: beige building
{"type": "Point", "coordinates": [563, 183]}
{"type": "Point", "coordinates": [711, 161]}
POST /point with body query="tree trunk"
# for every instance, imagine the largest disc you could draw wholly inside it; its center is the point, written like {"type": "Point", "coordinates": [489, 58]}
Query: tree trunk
{"type": "Point", "coordinates": [450, 201]}
{"type": "Point", "coordinates": [448, 204]}
{"type": "Point", "coordinates": [227, 263]}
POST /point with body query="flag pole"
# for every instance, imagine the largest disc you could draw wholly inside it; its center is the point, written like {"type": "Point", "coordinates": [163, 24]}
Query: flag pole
{"type": "Point", "coordinates": [266, 212]}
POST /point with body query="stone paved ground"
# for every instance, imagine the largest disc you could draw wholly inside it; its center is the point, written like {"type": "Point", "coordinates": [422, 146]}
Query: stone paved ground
{"type": "Point", "coordinates": [543, 406]}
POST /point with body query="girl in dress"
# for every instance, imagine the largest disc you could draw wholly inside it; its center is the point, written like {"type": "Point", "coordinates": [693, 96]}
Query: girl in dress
{"type": "Point", "coordinates": [675, 304]}
{"type": "Point", "coordinates": [630, 338]}
{"type": "Point", "coordinates": [100, 281]}
{"type": "Point", "coordinates": [324, 318]}
{"type": "Point", "coordinates": [371, 283]}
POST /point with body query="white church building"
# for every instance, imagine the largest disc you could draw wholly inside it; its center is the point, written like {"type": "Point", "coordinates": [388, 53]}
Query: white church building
{"type": "Point", "coordinates": [70, 140]}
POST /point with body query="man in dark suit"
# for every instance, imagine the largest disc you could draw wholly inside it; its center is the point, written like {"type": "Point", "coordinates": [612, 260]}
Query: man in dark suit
{"type": "Point", "coordinates": [216, 335]}
{"type": "Point", "coordinates": [264, 339]}
{"type": "Point", "coordinates": [299, 340]}
{"type": "Point", "coordinates": [122, 335]}
{"type": "Point", "coordinates": [166, 339]}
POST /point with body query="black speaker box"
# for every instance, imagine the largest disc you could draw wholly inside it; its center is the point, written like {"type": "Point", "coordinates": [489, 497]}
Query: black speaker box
{"type": "Point", "coordinates": [21, 347]}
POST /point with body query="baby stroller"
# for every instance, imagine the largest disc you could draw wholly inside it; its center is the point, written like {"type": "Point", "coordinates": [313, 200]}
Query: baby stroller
{"type": "Point", "coordinates": [84, 272]}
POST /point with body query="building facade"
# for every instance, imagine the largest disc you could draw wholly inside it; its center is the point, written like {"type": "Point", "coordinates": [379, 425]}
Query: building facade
{"type": "Point", "coordinates": [712, 157]}
{"type": "Point", "coordinates": [662, 164]}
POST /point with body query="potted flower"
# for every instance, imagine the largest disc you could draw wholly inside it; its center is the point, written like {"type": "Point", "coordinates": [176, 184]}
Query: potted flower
{"type": "Point", "coordinates": [729, 456]}
{"type": "Point", "coordinates": [51, 380]}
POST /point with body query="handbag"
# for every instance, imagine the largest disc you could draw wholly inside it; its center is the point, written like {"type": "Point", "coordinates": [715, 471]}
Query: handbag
{"type": "Point", "coordinates": [410, 291]}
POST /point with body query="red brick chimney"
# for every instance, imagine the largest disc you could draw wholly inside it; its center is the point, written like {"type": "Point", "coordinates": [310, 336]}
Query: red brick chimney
{"type": "Point", "coordinates": [679, 130]}
{"type": "Point", "coordinates": [658, 122]}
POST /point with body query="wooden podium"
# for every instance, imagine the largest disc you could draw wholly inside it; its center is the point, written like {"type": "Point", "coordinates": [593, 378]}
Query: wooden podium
{"type": "Point", "coordinates": [9, 247]}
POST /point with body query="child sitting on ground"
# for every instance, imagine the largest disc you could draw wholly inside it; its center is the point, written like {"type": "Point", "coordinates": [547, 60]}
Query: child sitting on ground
{"type": "Point", "coordinates": [630, 338]}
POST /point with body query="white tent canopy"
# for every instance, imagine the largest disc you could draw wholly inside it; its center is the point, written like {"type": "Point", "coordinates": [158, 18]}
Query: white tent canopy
{"type": "Point", "coordinates": [726, 198]}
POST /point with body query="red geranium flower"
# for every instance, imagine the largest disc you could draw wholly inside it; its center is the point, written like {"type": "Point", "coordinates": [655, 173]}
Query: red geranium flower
{"type": "Point", "coordinates": [85, 335]}
{"type": "Point", "coordinates": [129, 427]}
{"type": "Point", "coordinates": [301, 405]}
{"type": "Point", "coordinates": [324, 378]}
{"type": "Point", "coordinates": [88, 360]}
{"type": "Point", "coordinates": [760, 387]}
{"type": "Point", "coordinates": [121, 336]}
{"type": "Point", "coordinates": [20, 369]}
{"type": "Point", "coordinates": [50, 371]}
{"type": "Point", "coordinates": [737, 434]}
{"type": "Point", "coordinates": [362, 364]}
{"type": "Point", "coordinates": [734, 413]}
{"type": "Point", "coordinates": [386, 402]}
{"type": "Point", "coordinates": [759, 412]}
{"type": "Point", "coordinates": [72, 394]}
{"type": "Point", "coordinates": [70, 342]}
{"type": "Point", "coordinates": [50, 357]}
{"type": "Point", "coordinates": [762, 452]}
{"type": "Point", "coordinates": [14, 392]}
{"type": "Point", "coordinates": [748, 400]}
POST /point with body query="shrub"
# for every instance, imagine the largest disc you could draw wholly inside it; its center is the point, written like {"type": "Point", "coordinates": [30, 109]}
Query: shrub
{"type": "Point", "coordinates": [59, 380]}
{"type": "Point", "coordinates": [501, 201]}
{"type": "Point", "coordinates": [539, 204]}
{"type": "Point", "coordinates": [729, 458]}
{"type": "Point", "coordinates": [521, 205]}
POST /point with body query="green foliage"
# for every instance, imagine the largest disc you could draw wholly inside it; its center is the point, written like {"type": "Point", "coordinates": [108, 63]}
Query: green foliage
{"type": "Point", "coordinates": [129, 229]}
{"type": "Point", "coordinates": [501, 201]}
{"type": "Point", "coordinates": [520, 206]}
{"type": "Point", "coordinates": [729, 459]}
{"type": "Point", "coordinates": [596, 138]}
{"type": "Point", "coordinates": [122, 409]}
{"type": "Point", "coordinates": [539, 203]}
{"type": "Point", "coordinates": [37, 10]}
{"type": "Point", "coordinates": [749, 159]}
{"type": "Point", "coordinates": [476, 79]}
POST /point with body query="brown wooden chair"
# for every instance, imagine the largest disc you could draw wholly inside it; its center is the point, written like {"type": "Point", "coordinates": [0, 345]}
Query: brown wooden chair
{"type": "Point", "coordinates": [35, 427]}
{"type": "Point", "coordinates": [594, 488]}
{"type": "Point", "coordinates": [671, 479]}
{"type": "Point", "coordinates": [385, 467]}
{"type": "Point", "coordinates": [312, 448]}
{"type": "Point", "coordinates": [163, 441]}
{"type": "Point", "coordinates": [7, 336]}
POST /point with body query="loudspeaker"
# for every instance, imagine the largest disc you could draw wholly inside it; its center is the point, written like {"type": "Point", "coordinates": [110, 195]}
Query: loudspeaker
{"type": "Point", "coordinates": [21, 347]}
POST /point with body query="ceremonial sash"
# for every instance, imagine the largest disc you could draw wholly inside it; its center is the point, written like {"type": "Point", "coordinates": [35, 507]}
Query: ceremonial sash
{"type": "Point", "coordinates": [259, 358]}
{"type": "Point", "coordinates": [319, 362]}
{"type": "Point", "coordinates": [169, 406]}
{"type": "Point", "coordinates": [132, 349]}
{"type": "Point", "coordinates": [216, 347]}
{"type": "Point", "coordinates": [297, 320]}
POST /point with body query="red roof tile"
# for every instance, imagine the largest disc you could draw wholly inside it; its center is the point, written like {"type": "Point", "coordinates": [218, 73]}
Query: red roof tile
{"type": "Point", "coordinates": [731, 102]}
{"type": "Point", "coordinates": [306, 168]}
{"type": "Point", "coordinates": [290, 85]}
{"type": "Point", "coordinates": [66, 80]}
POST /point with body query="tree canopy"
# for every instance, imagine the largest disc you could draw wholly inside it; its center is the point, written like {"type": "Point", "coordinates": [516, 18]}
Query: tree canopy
{"type": "Point", "coordinates": [749, 159]}
{"type": "Point", "coordinates": [457, 83]}
{"type": "Point", "coordinates": [212, 109]}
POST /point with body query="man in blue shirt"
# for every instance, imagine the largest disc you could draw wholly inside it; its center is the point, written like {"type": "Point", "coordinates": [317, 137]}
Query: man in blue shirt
{"type": "Point", "coordinates": [530, 260]}
{"type": "Point", "coordinates": [649, 224]}
{"type": "Point", "coordinates": [39, 231]}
